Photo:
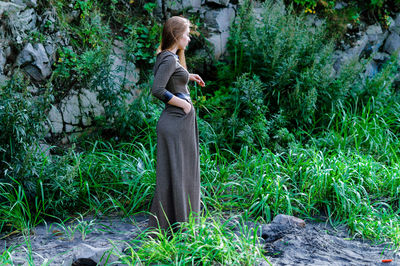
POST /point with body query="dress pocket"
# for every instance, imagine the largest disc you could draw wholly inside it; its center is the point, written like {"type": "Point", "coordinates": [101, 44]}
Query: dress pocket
{"type": "Point", "coordinates": [175, 111]}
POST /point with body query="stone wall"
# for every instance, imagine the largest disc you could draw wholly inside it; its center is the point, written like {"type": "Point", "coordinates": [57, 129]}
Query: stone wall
{"type": "Point", "coordinates": [76, 111]}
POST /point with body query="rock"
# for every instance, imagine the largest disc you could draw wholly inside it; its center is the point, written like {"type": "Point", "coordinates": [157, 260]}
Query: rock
{"type": "Point", "coordinates": [176, 7]}
{"type": "Point", "coordinates": [218, 2]}
{"type": "Point", "coordinates": [219, 20]}
{"type": "Point", "coordinates": [100, 256]}
{"type": "Point", "coordinates": [371, 69]}
{"type": "Point", "coordinates": [392, 43]}
{"type": "Point", "coordinates": [340, 5]}
{"type": "Point", "coordinates": [381, 57]}
{"type": "Point", "coordinates": [70, 109]}
{"type": "Point", "coordinates": [342, 57]}
{"type": "Point", "coordinates": [288, 221]}
{"type": "Point", "coordinates": [394, 26]}
{"type": "Point", "coordinates": [33, 59]}
{"type": "Point", "coordinates": [70, 128]}
{"type": "Point", "coordinates": [2, 60]}
{"type": "Point", "coordinates": [376, 37]}
{"type": "Point", "coordinates": [219, 41]}
{"type": "Point", "coordinates": [280, 226]}
{"type": "Point", "coordinates": [3, 80]}
{"type": "Point", "coordinates": [123, 71]}
{"type": "Point", "coordinates": [56, 121]}
{"type": "Point", "coordinates": [10, 8]}
{"type": "Point", "coordinates": [29, 3]}
{"type": "Point", "coordinates": [22, 24]}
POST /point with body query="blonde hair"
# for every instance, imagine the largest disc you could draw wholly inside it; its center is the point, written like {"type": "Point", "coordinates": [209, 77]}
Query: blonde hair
{"type": "Point", "coordinates": [173, 29]}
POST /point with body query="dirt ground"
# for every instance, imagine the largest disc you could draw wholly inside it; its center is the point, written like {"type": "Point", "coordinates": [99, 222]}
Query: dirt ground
{"type": "Point", "coordinates": [312, 244]}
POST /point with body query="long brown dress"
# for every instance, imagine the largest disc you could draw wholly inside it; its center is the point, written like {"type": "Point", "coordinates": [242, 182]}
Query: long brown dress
{"type": "Point", "coordinates": [177, 191]}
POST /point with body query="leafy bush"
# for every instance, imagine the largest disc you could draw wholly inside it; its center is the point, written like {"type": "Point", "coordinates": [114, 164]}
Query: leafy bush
{"type": "Point", "coordinates": [295, 64]}
{"type": "Point", "coordinates": [22, 119]}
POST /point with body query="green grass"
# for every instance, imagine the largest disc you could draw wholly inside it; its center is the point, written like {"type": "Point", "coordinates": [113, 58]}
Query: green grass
{"type": "Point", "coordinates": [210, 240]}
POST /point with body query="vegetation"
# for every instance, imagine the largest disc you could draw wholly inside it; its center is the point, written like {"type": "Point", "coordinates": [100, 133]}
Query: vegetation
{"type": "Point", "coordinates": [280, 133]}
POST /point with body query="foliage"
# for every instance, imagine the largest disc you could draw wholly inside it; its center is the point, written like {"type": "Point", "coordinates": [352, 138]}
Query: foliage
{"type": "Point", "coordinates": [210, 240]}
{"type": "Point", "coordinates": [22, 120]}
{"type": "Point", "coordinates": [295, 64]}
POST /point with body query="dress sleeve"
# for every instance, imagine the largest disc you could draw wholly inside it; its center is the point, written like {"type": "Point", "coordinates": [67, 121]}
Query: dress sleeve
{"type": "Point", "coordinates": [161, 76]}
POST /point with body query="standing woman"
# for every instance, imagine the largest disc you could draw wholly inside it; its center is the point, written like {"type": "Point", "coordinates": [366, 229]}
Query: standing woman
{"type": "Point", "coordinates": [177, 190]}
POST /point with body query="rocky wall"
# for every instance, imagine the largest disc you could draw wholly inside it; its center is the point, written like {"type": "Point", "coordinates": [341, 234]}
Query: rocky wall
{"type": "Point", "coordinates": [77, 110]}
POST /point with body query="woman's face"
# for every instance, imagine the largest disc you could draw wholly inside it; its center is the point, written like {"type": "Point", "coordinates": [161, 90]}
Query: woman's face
{"type": "Point", "coordinates": [184, 40]}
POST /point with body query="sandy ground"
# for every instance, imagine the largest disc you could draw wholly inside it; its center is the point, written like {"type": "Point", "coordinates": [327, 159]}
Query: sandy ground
{"type": "Point", "coordinates": [315, 244]}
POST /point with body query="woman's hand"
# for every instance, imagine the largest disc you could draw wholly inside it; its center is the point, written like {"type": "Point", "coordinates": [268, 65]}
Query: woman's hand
{"type": "Point", "coordinates": [197, 79]}
{"type": "Point", "coordinates": [187, 108]}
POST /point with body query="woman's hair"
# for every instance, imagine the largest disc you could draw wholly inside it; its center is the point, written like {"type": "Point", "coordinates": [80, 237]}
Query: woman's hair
{"type": "Point", "coordinates": [173, 29]}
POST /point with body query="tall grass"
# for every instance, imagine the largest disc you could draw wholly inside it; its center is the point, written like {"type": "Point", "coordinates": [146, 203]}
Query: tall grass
{"type": "Point", "coordinates": [209, 240]}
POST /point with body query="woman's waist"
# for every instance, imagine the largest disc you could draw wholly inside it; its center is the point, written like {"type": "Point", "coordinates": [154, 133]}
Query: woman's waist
{"type": "Point", "coordinates": [184, 96]}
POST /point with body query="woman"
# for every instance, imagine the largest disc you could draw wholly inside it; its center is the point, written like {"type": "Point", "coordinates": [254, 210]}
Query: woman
{"type": "Point", "coordinates": [177, 190]}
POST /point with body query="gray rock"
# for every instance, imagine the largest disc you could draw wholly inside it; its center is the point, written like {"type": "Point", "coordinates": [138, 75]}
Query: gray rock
{"type": "Point", "coordinates": [376, 37]}
{"type": "Point", "coordinates": [22, 23]}
{"type": "Point", "coordinates": [392, 43]}
{"type": "Point", "coordinates": [10, 8]}
{"type": "Point", "coordinates": [100, 256]}
{"type": "Point", "coordinates": [288, 221]}
{"type": "Point", "coordinates": [33, 59]}
{"type": "Point", "coordinates": [371, 69]}
{"type": "Point", "coordinates": [124, 72]}
{"type": "Point", "coordinates": [2, 60]}
{"type": "Point", "coordinates": [218, 2]}
{"type": "Point", "coordinates": [340, 5]}
{"type": "Point", "coordinates": [90, 106]}
{"type": "Point", "coordinates": [29, 3]}
{"type": "Point", "coordinates": [176, 7]}
{"type": "Point", "coordinates": [343, 57]}
{"type": "Point", "coordinates": [70, 109]}
{"type": "Point", "coordinates": [71, 128]}
{"type": "Point", "coordinates": [394, 26]}
{"type": "Point", "coordinates": [381, 57]}
{"type": "Point", "coordinates": [219, 20]}
{"type": "Point", "coordinates": [219, 41]}
{"type": "Point", "coordinates": [3, 80]}
{"type": "Point", "coordinates": [56, 120]}
{"type": "Point", "coordinates": [280, 226]}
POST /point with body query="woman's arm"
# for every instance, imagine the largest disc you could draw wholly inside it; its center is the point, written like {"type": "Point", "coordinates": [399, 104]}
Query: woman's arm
{"type": "Point", "coordinates": [197, 79]}
{"type": "Point", "coordinates": [161, 77]}
{"type": "Point", "coordinates": [176, 101]}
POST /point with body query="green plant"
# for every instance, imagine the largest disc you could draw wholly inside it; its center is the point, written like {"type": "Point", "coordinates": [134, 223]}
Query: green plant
{"type": "Point", "coordinates": [69, 230]}
{"type": "Point", "coordinates": [210, 240]}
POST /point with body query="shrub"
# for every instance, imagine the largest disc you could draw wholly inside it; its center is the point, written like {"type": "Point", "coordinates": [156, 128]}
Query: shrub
{"type": "Point", "coordinates": [22, 119]}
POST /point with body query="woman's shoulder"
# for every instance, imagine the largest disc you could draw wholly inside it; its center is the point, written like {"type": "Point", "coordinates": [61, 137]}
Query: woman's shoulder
{"type": "Point", "coordinates": [166, 58]}
{"type": "Point", "coordinates": [166, 55]}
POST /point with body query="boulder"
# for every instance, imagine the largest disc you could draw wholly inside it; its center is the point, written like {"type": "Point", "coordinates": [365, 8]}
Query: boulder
{"type": "Point", "coordinates": [219, 20]}
{"type": "Point", "coordinates": [90, 106]}
{"type": "Point", "coordinates": [219, 41]}
{"type": "Point", "coordinates": [56, 120]}
{"type": "Point", "coordinates": [29, 3]}
{"type": "Point", "coordinates": [176, 7]}
{"type": "Point", "coordinates": [10, 8]}
{"type": "Point", "coordinates": [33, 59]}
{"type": "Point", "coordinates": [371, 69]}
{"type": "Point", "coordinates": [70, 109]}
{"type": "Point", "coordinates": [280, 226]}
{"type": "Point", "coordinates": [394, 25]}
{"type": "Point", "coordinates": [2, 60]}
{"type": "Point", "coordinates": [342, 57]}
{"type": "Point", "coordinates": [376, 37]}
{"type": "Point", "coordinates": [123, 71]}
{"type": "Point", "coordinates": [84, 254]}
{"type": "Point", "coordinates": [22, 23]}
{"type": "Point", "coordinates": [218, 2]}
{"type": "Point", "coordinates": [392, 43]}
